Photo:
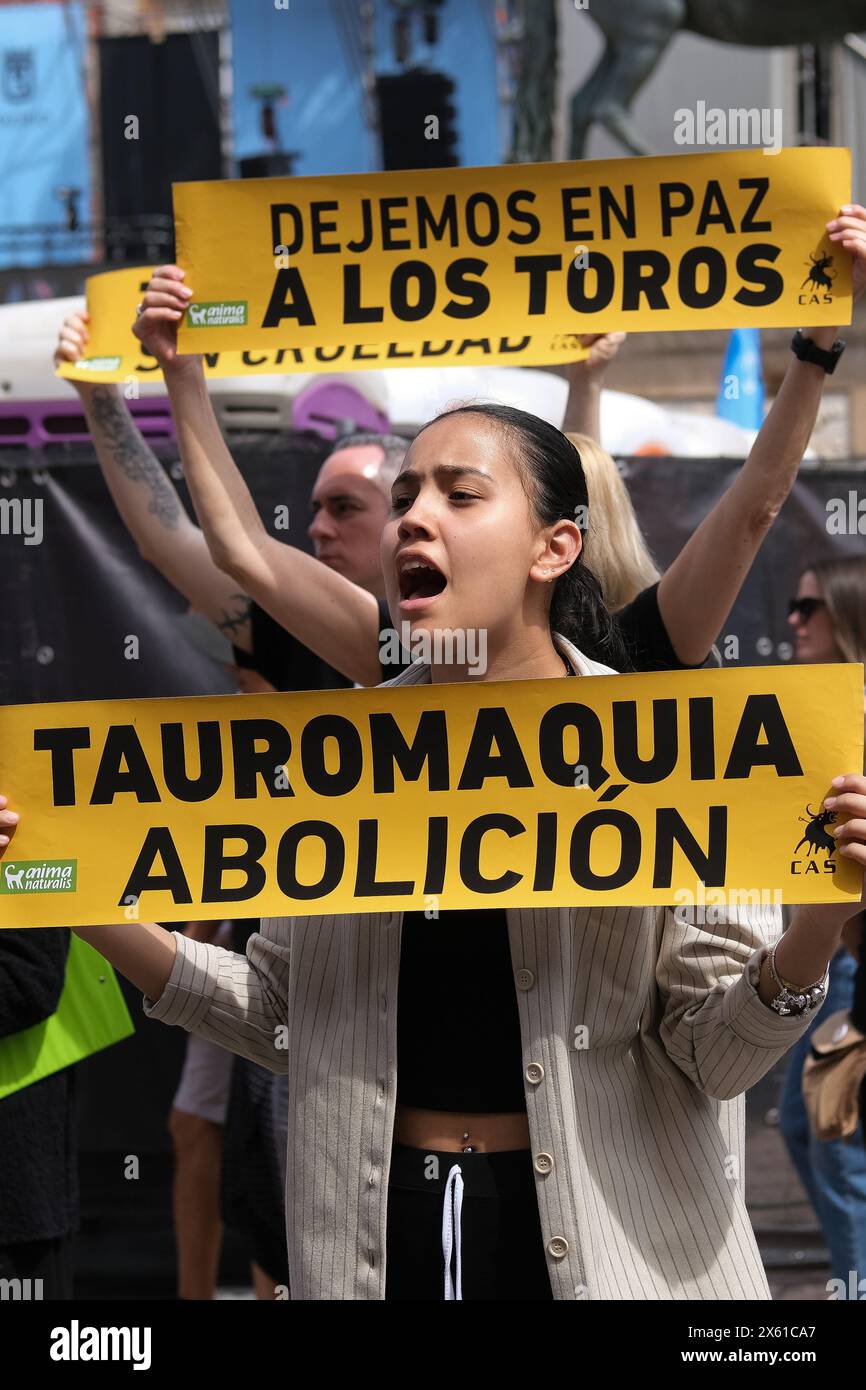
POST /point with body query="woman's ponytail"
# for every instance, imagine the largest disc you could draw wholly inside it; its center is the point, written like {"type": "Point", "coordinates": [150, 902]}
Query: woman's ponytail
{"type": "Point", "coordinates": [579, 614]}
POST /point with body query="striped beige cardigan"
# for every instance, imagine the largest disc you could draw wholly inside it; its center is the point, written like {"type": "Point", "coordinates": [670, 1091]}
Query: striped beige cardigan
{"type": "Point", "coordinates": [644, 1124]}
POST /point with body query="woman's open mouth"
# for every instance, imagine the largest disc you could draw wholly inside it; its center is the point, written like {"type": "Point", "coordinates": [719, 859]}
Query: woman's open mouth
{"type": "Point", "coordinates": [420, 581]}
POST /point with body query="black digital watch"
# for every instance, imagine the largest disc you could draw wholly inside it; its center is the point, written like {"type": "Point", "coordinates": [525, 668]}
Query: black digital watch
{"type": "Point", "coordinates": [808, 351]}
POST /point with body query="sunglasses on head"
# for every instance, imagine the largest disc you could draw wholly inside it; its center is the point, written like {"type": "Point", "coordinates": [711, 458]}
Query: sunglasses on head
{"type": "Point", "coordinates": [805, 607]}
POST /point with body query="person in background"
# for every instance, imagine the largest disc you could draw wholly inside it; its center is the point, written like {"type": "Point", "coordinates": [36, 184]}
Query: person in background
{"type": "Point", "coordinates": [229, 1167]}
{"type": "Point", "coordinates": [252, 1185]}
{"type": "Point", "coordinates": [828, 618]}
{"type": "Point", "coordinates": [196, 1124]}
{"type": "Point", "coordinates": [39, 1198]}
{"type": "Point", "coordinates": [856, 943]}
{"type": "Point", "coordinates": [854, 938]}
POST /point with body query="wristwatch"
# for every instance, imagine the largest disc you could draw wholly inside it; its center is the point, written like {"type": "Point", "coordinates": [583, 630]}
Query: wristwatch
{"type": "Point", "coordinates": [808, 351]}
{"type": "Point", "coordinates": [792, 1001]}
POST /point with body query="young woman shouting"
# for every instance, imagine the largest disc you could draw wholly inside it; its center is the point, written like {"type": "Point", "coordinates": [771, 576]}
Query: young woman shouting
{"type": "Point", "coordinates": [446, 1137]}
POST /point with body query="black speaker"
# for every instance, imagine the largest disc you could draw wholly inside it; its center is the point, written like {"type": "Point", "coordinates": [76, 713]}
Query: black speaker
{"type": "Point", "coordinates": [266, 166]}
{"type": "Point", "coordinates": [159, 108]}
{"type": "Point", "coordinates": [418, 120]}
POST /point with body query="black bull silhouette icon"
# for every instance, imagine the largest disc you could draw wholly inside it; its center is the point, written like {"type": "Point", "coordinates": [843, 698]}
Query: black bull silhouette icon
{"type": "Point", "coordinates": [816, 836]}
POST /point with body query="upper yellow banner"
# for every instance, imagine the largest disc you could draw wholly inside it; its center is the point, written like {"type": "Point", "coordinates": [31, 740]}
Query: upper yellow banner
{"type": "Point", "coordinates": [689, 241]}
{"type": "Point", "coordinates": [672, 788]}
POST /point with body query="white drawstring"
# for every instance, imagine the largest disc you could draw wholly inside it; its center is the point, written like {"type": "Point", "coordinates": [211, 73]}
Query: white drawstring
{"type": "Point", "coordinates": [451, 1211]}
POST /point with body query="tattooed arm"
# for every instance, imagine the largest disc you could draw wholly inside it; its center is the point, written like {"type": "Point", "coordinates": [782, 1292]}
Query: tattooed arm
{"type": "Point", "coordinates": [148, 502]}
{"type": "Point", "coordinates": [155, 516]}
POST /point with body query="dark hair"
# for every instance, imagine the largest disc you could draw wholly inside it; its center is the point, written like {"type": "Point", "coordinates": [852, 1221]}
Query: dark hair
{"type": "Point", "coordinates": [553, 478]}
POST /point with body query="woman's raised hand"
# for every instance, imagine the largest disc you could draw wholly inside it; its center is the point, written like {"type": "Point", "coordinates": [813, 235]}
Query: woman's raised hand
{"type": "Point", "coordinates": [162, 307]}
{"type": "Point", "coordinates": [849, 229]}
{"type": "Point", "coordinates": [72, 340]}
{"type": "Point", "coordinates": [603, 348]}
{"type": "Point", "coordinates": [848, 798]}
{"type": "Point", "coordinates": [8, 825]}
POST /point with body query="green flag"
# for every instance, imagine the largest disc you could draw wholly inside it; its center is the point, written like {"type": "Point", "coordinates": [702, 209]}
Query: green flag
{"type": "Point", "coordinates": [91, 1015]}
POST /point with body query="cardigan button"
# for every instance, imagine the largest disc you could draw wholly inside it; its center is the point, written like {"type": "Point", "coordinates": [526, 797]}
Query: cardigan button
{"type": "Point", "coordinates": [534, 1073]}
{"type": "Point", "coordinates": [558, 1247]}
{"type": "Point", "coordinates": [543, 1163]}
{"type": "Point", "coordinates": [524, 979]}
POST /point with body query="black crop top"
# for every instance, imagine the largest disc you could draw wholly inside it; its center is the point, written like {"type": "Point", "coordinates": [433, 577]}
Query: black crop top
{"type": "Point", "coordinates": [458, 1029]}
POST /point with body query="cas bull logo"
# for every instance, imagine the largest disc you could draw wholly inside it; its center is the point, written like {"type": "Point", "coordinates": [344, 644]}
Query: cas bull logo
{"type": "Point", "coordinates": [817, 286]}
{"type": "Point", "coordinates": [815, 839]}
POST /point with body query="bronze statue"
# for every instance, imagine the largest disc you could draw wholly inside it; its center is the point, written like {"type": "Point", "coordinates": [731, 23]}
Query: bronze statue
{"type": "Point", "coordinates": [637, 32]}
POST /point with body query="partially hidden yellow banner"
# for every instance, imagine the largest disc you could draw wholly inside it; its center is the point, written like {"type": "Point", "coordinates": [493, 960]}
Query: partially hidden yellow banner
{"type": "Point", "coordinates": [115, 354]}
{"type": "Point", "coordinates": [665, 788]}
{"type": "Point", "coordinates": [674, 242]}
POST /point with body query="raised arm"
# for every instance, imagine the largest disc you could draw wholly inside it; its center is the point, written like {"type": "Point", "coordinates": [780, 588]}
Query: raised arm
{"type": "Point", "coordinates": [728, 539]}
{"type": "Point", "coordinates": [335, 618]}
{"type": "Point", "coordinates": [148, 502]}
{"type": "Point", "coordinates": [583, 406]}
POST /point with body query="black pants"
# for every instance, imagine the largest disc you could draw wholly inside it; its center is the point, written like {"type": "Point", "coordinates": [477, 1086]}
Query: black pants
{"type": "Point", "coordinates": [502, 1246]}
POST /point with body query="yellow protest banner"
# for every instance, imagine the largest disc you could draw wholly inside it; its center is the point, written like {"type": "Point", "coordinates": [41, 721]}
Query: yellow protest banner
{"type": "Point", "coordinates": [687, 241]}
{"type": "Point", "coordinates": [634, 789]}
{"type": "Point", "coordinates": [115, 354]}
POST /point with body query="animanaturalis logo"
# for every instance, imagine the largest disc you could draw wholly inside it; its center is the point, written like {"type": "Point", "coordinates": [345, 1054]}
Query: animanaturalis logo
{"type": "Point", "coordinates": [224, 313]}
{"type": "Point", "coordinates": [39, 876]}
{"type": "Point", "coordinates": [98, 364]}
